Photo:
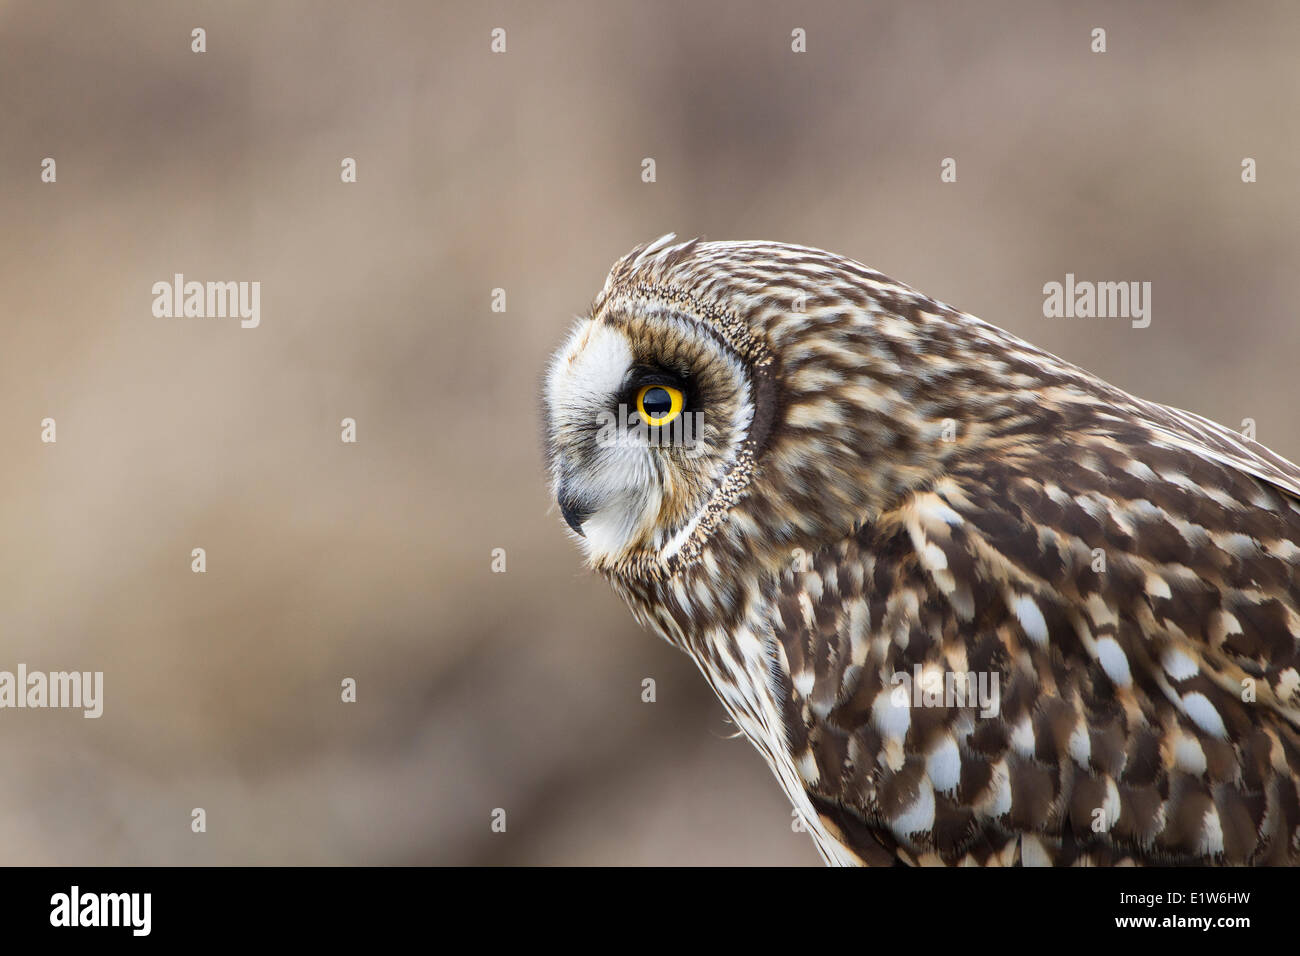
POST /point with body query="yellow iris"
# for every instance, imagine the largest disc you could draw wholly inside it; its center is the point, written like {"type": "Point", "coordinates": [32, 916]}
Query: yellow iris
{"type": "Point", "coordinates": [658, 404]}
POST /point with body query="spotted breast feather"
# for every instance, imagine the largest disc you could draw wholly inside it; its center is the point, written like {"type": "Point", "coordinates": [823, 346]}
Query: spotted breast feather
{"type": "Point", "coordinates": [1076, 645]}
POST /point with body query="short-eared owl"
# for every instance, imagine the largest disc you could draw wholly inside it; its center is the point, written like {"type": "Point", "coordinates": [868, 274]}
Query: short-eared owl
{"type": "Point", "coordinates": [972, 603]}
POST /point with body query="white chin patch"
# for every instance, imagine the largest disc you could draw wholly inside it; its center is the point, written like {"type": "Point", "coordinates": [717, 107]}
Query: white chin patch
{"type": "Point", "coordinates": [609, 531]}
{"type": "Point", "coordinates": [626, 499]}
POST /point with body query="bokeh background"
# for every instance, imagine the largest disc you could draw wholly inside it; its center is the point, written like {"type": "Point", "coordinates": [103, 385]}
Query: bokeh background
{"type": "Point", "coordinates": [521, 171]}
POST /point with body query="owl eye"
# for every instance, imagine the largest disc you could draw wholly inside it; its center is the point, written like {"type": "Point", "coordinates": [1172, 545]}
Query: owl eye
{"type": "Point", "coordinates": [658, 404]}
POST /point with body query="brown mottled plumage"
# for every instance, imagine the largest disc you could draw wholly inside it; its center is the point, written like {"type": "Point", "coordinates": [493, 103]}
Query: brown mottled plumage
{"type": "Point", "coordinates": [884, 486]}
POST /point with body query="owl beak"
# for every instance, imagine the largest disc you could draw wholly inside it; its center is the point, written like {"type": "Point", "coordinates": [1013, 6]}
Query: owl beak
{"type": "Point", "coordinates": [574, 514]}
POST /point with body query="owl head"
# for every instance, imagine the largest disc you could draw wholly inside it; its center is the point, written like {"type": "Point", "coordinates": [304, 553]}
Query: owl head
{"type": "Point", "coordinates": [729, 393]}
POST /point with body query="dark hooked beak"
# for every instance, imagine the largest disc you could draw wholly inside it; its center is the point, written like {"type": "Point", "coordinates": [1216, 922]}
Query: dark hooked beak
{"type": "Point", "coordinates": [574, 513]}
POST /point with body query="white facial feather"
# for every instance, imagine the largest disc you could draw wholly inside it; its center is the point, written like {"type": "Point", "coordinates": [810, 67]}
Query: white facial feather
{"type": "Point", "coordinates": [617, 487]}
{"type": "Point", "coordinates": [588, 369]}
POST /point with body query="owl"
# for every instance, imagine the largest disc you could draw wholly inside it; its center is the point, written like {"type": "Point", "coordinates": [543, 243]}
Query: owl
{"type": "Point", "coordinates": [973, 605]}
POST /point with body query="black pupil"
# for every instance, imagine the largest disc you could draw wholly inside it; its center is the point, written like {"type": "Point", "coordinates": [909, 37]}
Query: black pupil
{"type": "Point", "coordinates": [657, 402]}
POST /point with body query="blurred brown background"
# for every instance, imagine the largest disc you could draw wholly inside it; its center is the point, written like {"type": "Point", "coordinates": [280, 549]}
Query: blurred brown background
{"type": "Point", "coordinates": [521, 171]}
